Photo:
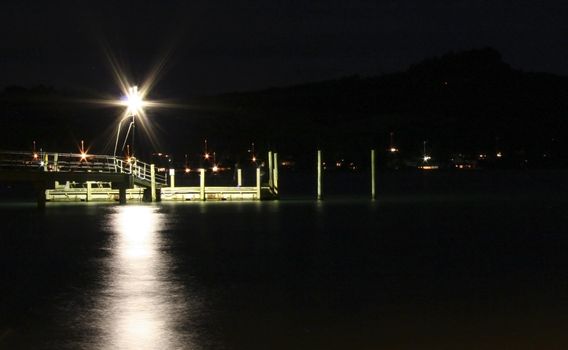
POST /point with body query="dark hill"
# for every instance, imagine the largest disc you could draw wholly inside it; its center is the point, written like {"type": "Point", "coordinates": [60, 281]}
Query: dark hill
{"type": "Point", "coordinates": [461, 102]}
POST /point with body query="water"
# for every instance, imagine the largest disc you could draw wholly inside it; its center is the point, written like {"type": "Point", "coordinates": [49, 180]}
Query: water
{"type": "Point", "coordinates": [445, 270]}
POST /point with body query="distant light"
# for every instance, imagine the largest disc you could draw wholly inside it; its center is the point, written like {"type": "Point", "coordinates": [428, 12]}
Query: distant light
{"type": "Point", "coordinates": [206, 155]}
{"type": "Point", "coordinates": [393, 149]}
{"type": "Point", "coordinates": [482, 156]}
{"type": "Point", "coordinates": [83, 156]}
{"type": "Point", "coordinates": [128, 160]}
{"type": "Point", "coordinates": [253, 158]}
{"type": "Point", "coordinates": [338, 164]}
{"type": "Point", "coordinates": [499, 155]}
{"type": "Point", "coordinates": [36, 156]}
{"type": "Point", "coordinates": [215, 168]}
{"type": "Point", "coordinates": [187, 170]}
{"type": "Point", "coordinates": [426, 158]}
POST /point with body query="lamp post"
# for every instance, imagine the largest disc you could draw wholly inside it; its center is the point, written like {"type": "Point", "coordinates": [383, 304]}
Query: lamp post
{"type": "Point", "coordinates": [134, 103]}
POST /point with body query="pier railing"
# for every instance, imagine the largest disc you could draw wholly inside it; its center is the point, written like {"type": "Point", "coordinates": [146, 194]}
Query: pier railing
{"type": "Point", "coordinates": [78, 162]}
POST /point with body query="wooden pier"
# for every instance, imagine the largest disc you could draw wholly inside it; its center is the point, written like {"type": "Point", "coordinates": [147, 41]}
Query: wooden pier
{"type": "Point", "coordinates": [79, 177]}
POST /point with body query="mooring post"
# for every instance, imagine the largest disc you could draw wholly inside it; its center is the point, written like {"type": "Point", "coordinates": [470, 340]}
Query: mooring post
{"type": "Point", "coordinates": [239, 177]}
{"type": "Point", "coordinates": [275, 184]}
{"type": "Point", "coordinates": [258, 183]}
{"type": "Point", "coordinates": [319, 176]}
{"type": "Point", "coordinates": [270, 183]}
{"type": "Point", "coordinates": [202, 184]}
{"type": "Point", "coordinates": [373, 174]}
{"type": "Point", "coordinates": [89, 194]}
{"type": "Point", "coordinates": [172, 178]}
{"type": "Point", "coordinates": [153, 182]}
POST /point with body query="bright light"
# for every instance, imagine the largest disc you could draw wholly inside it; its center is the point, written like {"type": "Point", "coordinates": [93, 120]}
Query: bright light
{"type": "Point", "coordinates": [206, 155]}
{"type": "Point", "coordinates": [426, 158]}
{"type": "Point", "coordinates": [499, 155]}
{"type": "Point", "coordinates": [187, 170]}
{"type": "Point", "coordinates": [134, 101]}
{"type": "Point", "coordinates": [253, 158]}
{"type": "Point", "coordinates": [428, 167]}
{"type": "Point", "coordinates": [215, 168]}
{"type": "Point", "coordinates": [83, 156]}
{"type": "Point", "coordinates": [36, 156]}
{"type": "Point", "coordinates": [393, 150]}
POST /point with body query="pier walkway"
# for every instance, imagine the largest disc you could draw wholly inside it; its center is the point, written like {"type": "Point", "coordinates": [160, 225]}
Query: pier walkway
{"type": "Point", "coordinates": [48, 170]}
{"type": "Point", "coordinates": [89, 177]}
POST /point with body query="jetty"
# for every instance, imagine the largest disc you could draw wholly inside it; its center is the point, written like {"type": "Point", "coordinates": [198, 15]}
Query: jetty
{"type": "Point", "coordinates": [88, 177]}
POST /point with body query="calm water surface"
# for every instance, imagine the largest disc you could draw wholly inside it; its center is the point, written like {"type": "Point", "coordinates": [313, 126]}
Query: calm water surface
{"type": "Point", "coordinates": [477, 271]}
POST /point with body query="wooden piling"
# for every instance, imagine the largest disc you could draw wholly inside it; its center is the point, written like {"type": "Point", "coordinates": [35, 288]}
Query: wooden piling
{"type": "Point", "coordinates": [122, 194]}
{"type": "Point", "coordinates": [373, 174]}
{"type": "Point", "coordinates": [258, 183]}
{"type": "Point", "coordinates": [275, 184]}
{"type": "Point", "coordinates": [89, 191]}
{"type": "Point", "coordinates": [40, 195]}
{"type": "Point", "coordinates": [202, 184]}
{"type": "Point", "coordinates": [319, 194]}
{"type": "Point", "coordinates": [153, 182]}
{"type": "Point", "coordinates": [172, 178]}
{"type": "Point", "coordinates": [270, 179]}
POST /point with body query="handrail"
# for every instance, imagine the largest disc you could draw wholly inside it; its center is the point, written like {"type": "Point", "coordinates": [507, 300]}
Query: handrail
{"type": "Point", "coordinates": [77, 162]}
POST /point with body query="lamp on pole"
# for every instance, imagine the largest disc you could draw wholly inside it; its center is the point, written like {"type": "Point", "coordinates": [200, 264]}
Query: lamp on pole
{"type": "Point", "coordinates": [134, 104]}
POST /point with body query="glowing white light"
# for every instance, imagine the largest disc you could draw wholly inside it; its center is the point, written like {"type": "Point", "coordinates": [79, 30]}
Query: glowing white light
{"type": "Point", "coordinates": [206, 155]}
{"type": "Point", "coordinates": [427, 158]}
{"type": "Point", "coordinates": [134, 101]}
{"type": "Point", "coordinates": [215, 168]}
{"type": "Point", "coordinates": [393, 150]}
{"type": "Point", "coordinates": [499, 155]}
{"type": "Point", "coordinates": [83, 156]}
{"type": "Point", "coordinates": [187, 170]}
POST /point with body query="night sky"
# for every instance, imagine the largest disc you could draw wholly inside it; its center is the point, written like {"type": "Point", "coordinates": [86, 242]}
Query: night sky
{"type": "Point", "coordinates": [219, 46]}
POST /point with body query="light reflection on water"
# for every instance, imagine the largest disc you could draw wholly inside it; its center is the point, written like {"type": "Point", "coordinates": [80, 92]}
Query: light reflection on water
{"type": "Point", "coordinates": [141, 306]}
{"type": "Point", "coordinates": [398, 273]}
